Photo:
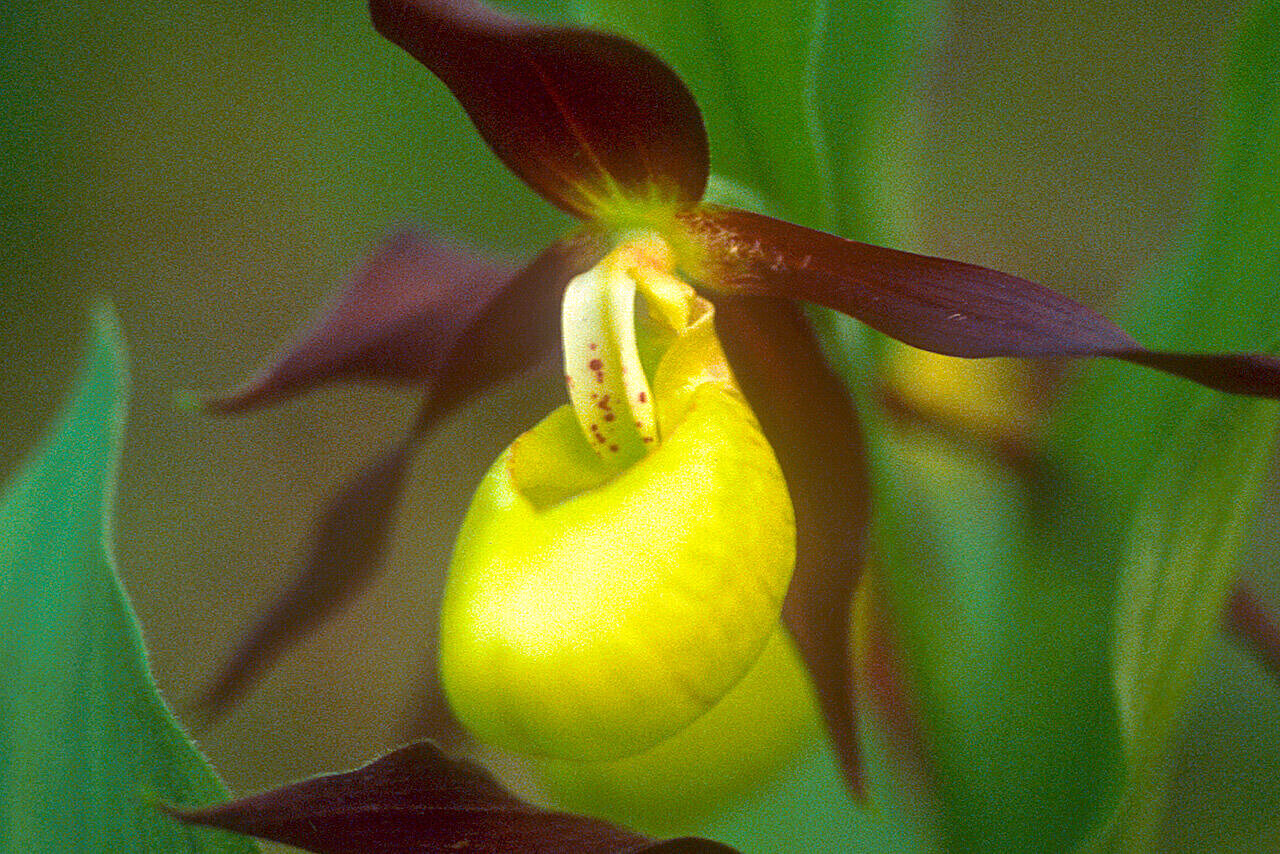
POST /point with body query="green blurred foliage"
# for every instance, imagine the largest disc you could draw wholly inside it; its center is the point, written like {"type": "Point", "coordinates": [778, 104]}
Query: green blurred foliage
{"type": "Point", "coordinates": [87, 747]}
{"type": "Point", "coordinates": [1173, 469]}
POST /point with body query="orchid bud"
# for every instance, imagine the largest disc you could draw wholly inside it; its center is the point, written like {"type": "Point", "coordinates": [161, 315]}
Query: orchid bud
{"type": "Point", "coordinates": [623, 563]}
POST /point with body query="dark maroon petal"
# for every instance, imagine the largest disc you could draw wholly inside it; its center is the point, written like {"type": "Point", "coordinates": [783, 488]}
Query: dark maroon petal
{"type": "Point", "coordinates": [395, 322]}
{"type": "Point", "coordinates": [1251, 623]}
{"type": "Point", "coordinates": [581, 116]}
{"type": "Point", "coordinates": [418, 800]}
{"type": "Point", "coordinates": [346, 545]}
{"type": "Point", "coordinates": [515, 330]}
{"type": "Point", "coordinates": [945, 306]}
{"type": "Point", "coordinates": [518, 326]}
{"type": "Point", "coordinates": [809, 421]}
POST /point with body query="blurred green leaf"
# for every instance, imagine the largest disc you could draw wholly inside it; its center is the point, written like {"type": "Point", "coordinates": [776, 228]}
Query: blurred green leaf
{"type": "Point", "coordinates": [805, 807]}
{"type": "Point", "coordinates": [1224, 793]}
{"type": "Point", "coordinates": [87, 747]}
{"type": "Point", "coordinates": [1005, 653]}
{"type": "Point", "coordinates": [1218, 292]}
{"type": "Point", "coordinates": [1176, 577]}
{"type": "Point", "coordinates": [865, 65]}
{"type": "Point", "coordinates": [1169, 474]}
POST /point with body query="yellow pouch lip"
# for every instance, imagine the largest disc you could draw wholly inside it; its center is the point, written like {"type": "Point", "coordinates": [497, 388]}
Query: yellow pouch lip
{"type": "Point", "coordinates": [598, 626]}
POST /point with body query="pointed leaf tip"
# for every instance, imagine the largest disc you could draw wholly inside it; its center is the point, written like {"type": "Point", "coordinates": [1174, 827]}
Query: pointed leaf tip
{"type": "Point", "coordinates": [809, 420]}
{"type": "Point", "coordinates": [946, 307]}
{"type": "Point", "coordinates": [416, 799]}
{"type": "Point", "coordinates": [87, 736]}
{"type": "Point", "coordinates": [582, 117]}
{"type": "Point", "coordinates": [395, 322]}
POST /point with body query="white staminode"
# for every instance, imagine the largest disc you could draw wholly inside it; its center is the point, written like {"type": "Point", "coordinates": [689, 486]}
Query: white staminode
{"type": "Point", "coordinates": [607, 385]}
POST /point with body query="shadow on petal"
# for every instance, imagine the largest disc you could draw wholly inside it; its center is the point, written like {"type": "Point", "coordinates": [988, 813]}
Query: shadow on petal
{"type": "Point", "coordinates": [809, 420]}
{"type": "Point", "coordinates": [947, 307]}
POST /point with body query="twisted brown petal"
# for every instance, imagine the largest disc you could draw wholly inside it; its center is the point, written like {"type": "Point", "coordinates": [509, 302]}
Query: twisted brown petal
{"type": "Point", "coordinates": [945, 306]}
{"type": "Point", "coordinates": [518, 326]}
{"type": "Point", "coordinates": [395, 322]}
{"type": "Point", "coordinates": [346, 544]}
{"type": "Point", "coordinates": [583, 117]}
{"type": "Point", "coordinates": [516, 329]}
{"type": "Point", "coordinates": [416, 800]}
{"type": "Point", "coordinates": [809, 421]}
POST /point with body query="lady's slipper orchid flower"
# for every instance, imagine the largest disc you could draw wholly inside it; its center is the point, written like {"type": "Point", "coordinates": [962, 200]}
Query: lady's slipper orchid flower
{"type": "Point", "coordinates": [640, 539]}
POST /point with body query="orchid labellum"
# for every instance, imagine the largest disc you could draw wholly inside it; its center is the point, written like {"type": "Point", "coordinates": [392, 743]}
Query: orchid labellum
{"type": "Point", "coordinates": [624, 562]}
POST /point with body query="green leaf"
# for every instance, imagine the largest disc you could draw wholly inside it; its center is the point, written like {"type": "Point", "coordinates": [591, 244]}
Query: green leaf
{"type": "Point", "coordinates": [1216, 293]}
{"type": "Point", "coordinates": [87, 747]}
{"type": "Point", "coordinates": [1179, 570]}
{"type": "Point", "coordinates": [864, 66]}
{"type": "Point", "coordinates": [1166, 475]}
{"type": "Point", "coordinates": [1222, 793]}
{"type": "Point", "coordinates": [1005, 654]}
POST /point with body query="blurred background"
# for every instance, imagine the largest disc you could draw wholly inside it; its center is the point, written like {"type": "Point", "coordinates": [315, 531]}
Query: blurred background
{"type": "Point", "coordinates": [216, 169]}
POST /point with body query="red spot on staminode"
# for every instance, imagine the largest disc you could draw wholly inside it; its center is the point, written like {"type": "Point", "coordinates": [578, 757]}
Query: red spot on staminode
{"type": "Point", "coordinates": [613, 448]}
{"type": "Point", "coordinates": [648, 439]}
{"type": "Point", "coordinates": [591, 346]}
{"type": "Point", "coordinates": [595, 365]}
{"type": "Point", "coordinates": [642, 397]}
{"type": "Point", "coordinates": [609, 416]}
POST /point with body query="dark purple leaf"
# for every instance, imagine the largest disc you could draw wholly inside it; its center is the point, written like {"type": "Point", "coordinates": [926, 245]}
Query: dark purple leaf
{"type": "Point", "coordinates": [1249, 620]}
{"type": "Point", "coordinates": [346, 545]}
{"type": "Point", "coordinates": [581, 116]}
{"type": "Point", "coordinates": [809, 421]}
{"type": "Point", "coordinates": [395, 322]}
{"type": "Point", "coordinates": [945, 306]}
{"type": "Point", "coordinates": [418, 800]}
